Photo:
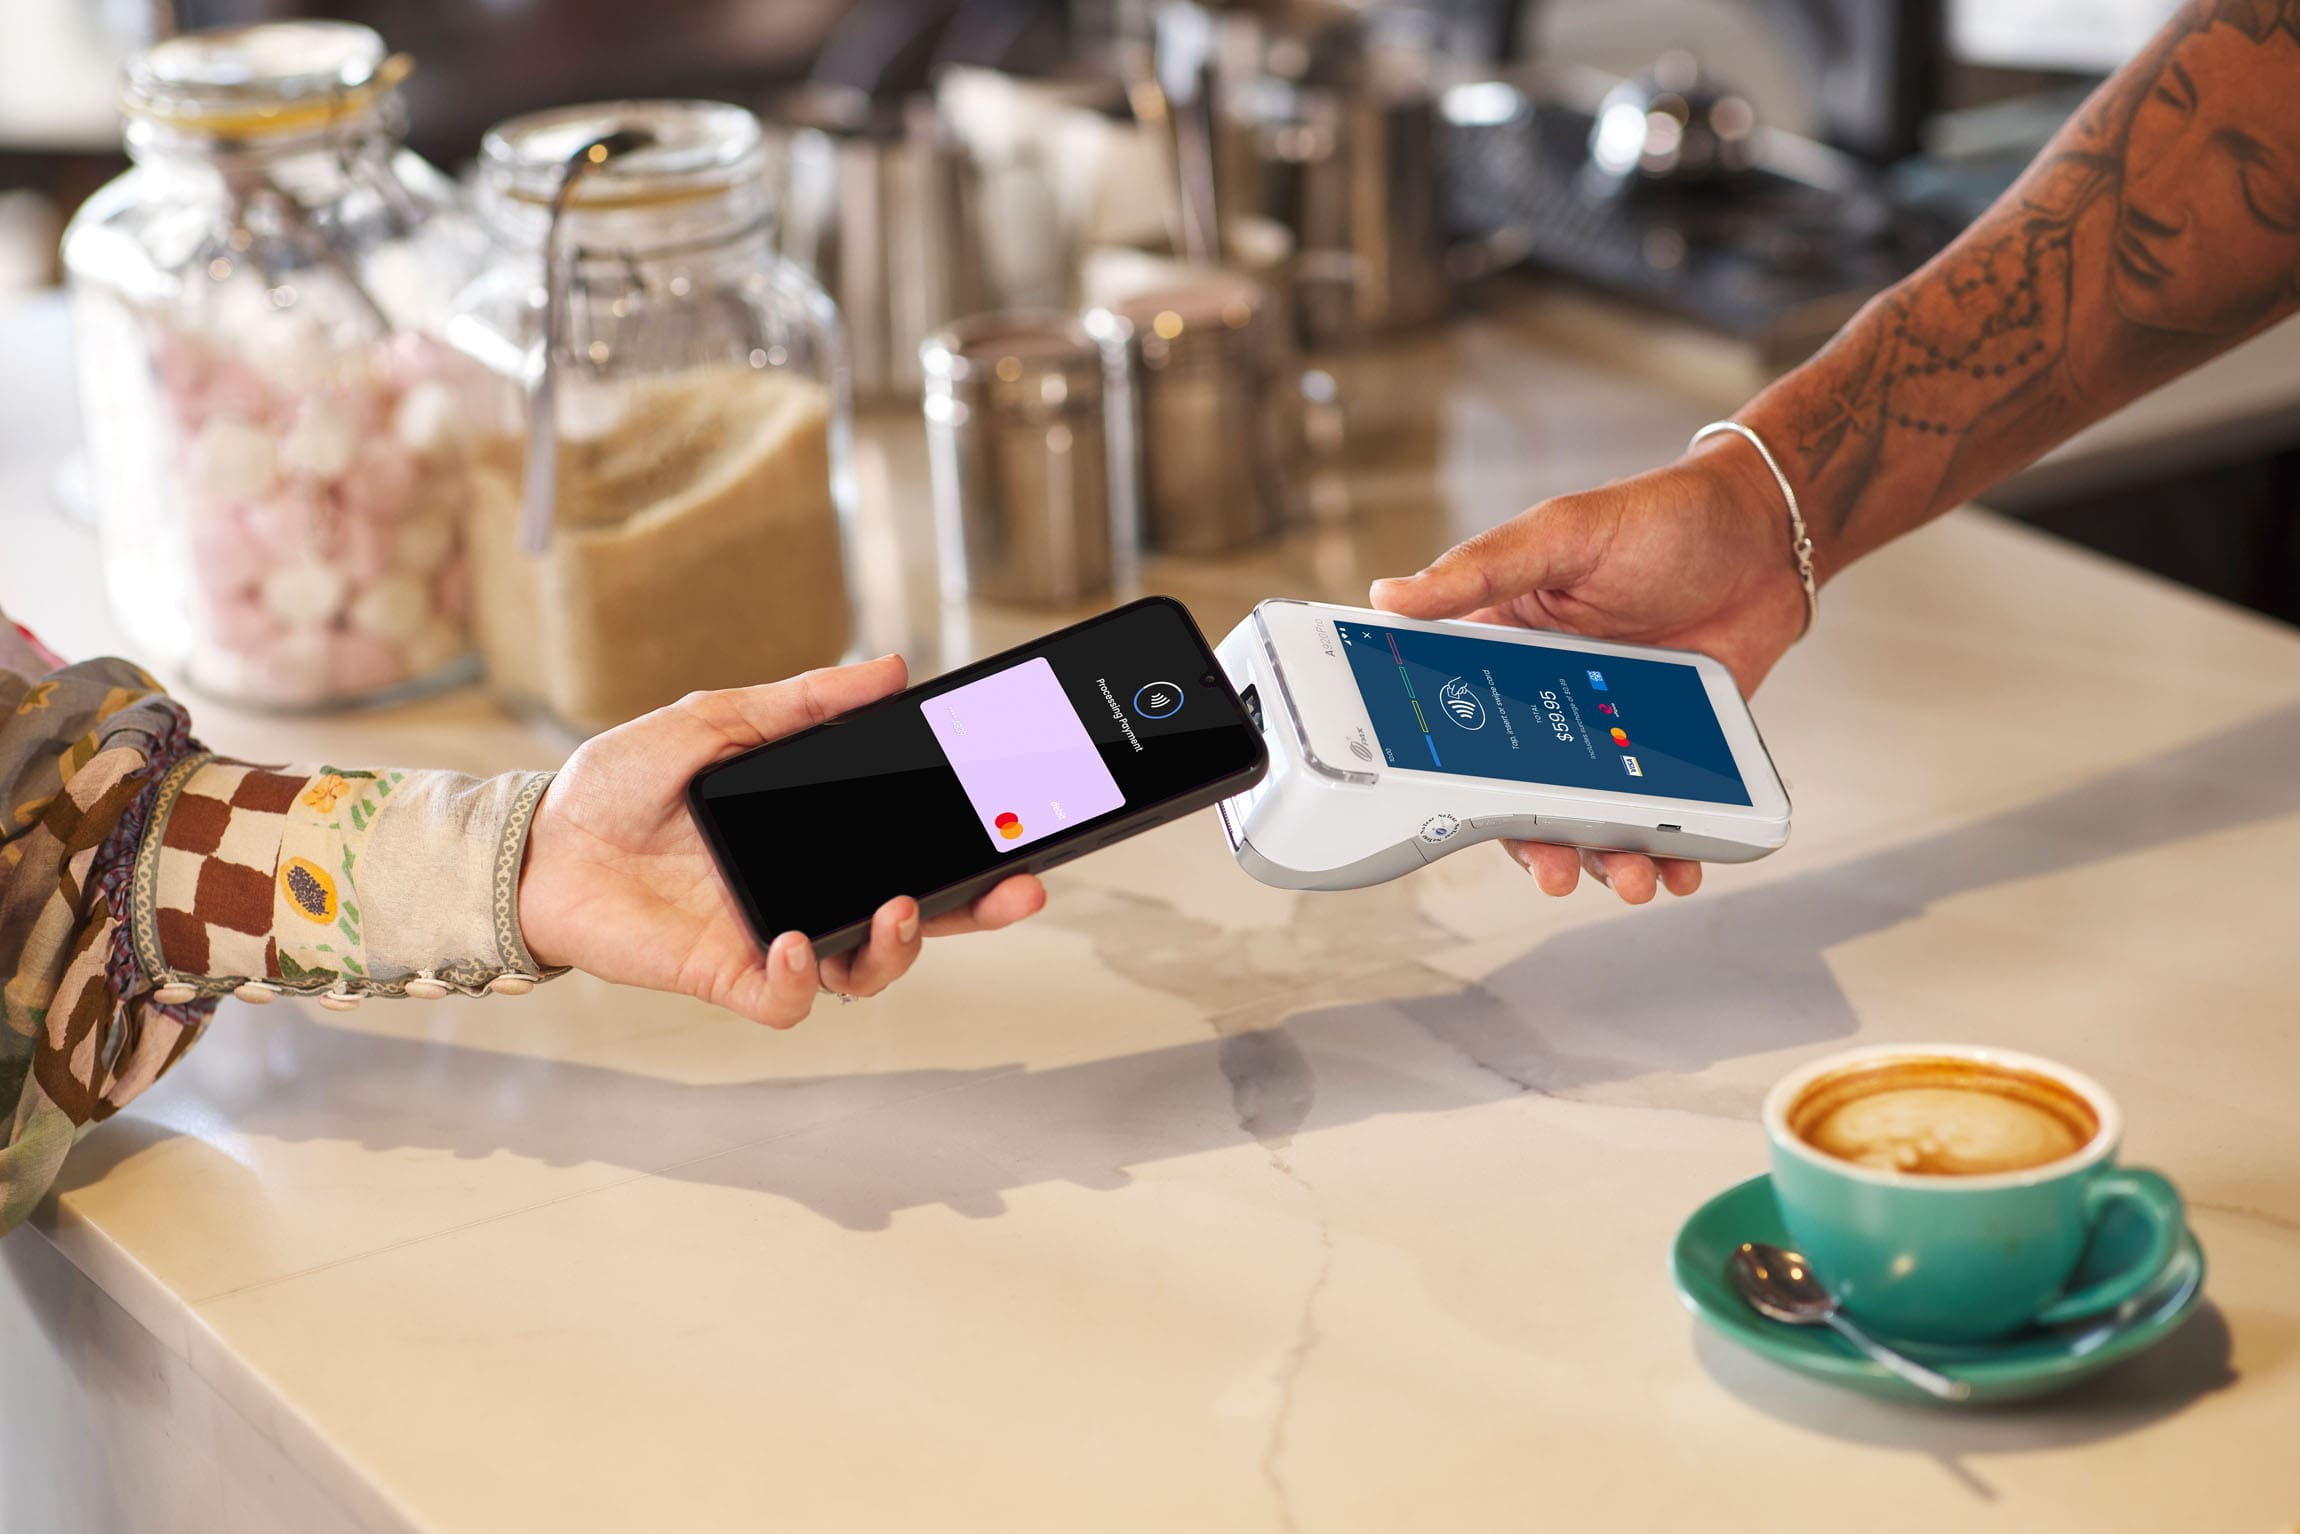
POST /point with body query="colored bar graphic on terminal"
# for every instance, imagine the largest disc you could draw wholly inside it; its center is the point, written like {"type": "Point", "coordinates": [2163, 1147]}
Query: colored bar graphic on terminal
{"type": "Point", "coordinates": [1427, 739]}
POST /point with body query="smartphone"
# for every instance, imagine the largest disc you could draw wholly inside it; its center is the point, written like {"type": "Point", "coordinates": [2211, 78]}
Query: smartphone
{"type": "Point", "coordinates": [1010, 765]}
{"type": "Point", "coordinates": [1396, 741]}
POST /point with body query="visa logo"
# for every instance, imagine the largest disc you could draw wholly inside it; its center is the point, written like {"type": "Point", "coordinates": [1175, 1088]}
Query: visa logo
{"type": "Point", "coordinates": [1597, 680]}
{"type": "Point", "coordinates": [1635, 771]}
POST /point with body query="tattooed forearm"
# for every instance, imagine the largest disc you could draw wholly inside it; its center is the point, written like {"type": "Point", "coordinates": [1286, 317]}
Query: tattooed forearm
{"type": "Point", "coordinates": [2160, 227]}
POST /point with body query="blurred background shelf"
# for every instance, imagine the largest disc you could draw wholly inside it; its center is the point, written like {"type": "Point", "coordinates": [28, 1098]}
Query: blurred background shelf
{"type": "Point", "coordinates": [1881, 126]}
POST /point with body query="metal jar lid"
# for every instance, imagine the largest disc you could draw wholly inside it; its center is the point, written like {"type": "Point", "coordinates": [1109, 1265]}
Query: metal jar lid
{"type": "Point", "coordinates": [1025, 365]}
{"type": "Point", "coordinates": [1210, 319]}
{"type": "Point", "coordinates": [271, 80]}
{"type": "Point", "coordinates": [668, 152]}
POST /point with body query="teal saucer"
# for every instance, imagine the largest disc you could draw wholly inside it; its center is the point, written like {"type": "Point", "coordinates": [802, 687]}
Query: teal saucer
{"type": "Point", "coordinates": [2029, 1363]}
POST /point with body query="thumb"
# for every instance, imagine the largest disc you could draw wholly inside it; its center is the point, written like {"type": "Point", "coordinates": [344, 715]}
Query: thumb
{"type": "Point", "coordinates": [1551, 546]}
{"type": "Point", "coordinates": [752, 716]}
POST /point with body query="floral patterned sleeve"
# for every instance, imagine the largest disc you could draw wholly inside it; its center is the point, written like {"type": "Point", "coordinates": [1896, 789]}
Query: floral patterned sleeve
{"type": "Point", "coordinates": [333, 882]}
{"type": "Point", "coordinates": [141, 878]}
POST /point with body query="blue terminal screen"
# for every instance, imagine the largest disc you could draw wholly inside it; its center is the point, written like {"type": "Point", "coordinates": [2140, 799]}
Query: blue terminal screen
{"type": "Point", "coordinates": [1534, 713]}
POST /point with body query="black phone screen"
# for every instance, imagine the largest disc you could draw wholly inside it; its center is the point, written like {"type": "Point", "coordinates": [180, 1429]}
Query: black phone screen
{"type": "Point", "coordinates": [993, 767]}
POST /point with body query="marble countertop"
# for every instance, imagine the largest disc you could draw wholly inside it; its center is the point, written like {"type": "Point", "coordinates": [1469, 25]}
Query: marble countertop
{"type": "Point", "coordinates": [1197, 1204]}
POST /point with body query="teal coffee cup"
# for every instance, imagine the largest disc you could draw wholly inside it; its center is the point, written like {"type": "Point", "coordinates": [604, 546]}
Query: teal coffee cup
{"type": "Point", "coordinates": [1947, 1192]}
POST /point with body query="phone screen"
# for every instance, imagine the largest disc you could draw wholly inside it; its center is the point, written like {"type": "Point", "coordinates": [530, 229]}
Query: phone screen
{"type": "Point", "coordinates": [961, 776]}
{"type": "Point", "coordinates": [1540, 713]}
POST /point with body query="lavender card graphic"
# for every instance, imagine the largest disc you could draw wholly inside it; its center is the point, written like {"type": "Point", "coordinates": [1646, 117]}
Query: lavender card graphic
{"type": "Point", "coordinates": [1022, 754]}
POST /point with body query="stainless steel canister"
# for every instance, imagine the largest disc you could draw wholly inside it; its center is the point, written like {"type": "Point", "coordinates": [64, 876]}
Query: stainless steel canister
{"type": "Point", "coordinates": [1018, 409]}
{"type": "Point", "coordinates": [878, 204]}
{"type": "Point", "coordinates": [1204, 358]}
{"type": "Point", "coordinates": [1353, 173]}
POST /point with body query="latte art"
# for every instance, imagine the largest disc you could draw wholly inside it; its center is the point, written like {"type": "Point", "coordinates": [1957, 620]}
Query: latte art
{"type": "Point", "coordinates": [1943, 1118]}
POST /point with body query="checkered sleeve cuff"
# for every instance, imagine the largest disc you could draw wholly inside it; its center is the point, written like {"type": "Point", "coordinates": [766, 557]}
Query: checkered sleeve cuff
{"type": "Point", "coordinates": [333, 882]}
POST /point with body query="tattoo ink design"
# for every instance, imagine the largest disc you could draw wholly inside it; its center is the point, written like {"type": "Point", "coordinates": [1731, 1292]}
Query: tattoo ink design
{"type": "Point", "coordinates": [2161, 226]}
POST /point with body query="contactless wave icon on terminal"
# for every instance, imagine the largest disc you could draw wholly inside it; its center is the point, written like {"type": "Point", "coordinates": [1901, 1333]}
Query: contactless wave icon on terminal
{"type": "Point", "coordinates": [1462, 705]}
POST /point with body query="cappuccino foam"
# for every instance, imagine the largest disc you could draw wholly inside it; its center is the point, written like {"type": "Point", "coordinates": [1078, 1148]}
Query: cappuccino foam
{"type": "Point", "coordinates": [1943, 1117]}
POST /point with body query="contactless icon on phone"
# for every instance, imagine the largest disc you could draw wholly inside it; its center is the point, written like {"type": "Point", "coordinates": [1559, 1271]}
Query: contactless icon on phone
{"type": "Point", "coordinates": [1157, 700]}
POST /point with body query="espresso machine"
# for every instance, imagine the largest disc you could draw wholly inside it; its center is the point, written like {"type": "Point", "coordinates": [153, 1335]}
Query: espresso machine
{"type": "Point", "coordinates": [1670, 190]}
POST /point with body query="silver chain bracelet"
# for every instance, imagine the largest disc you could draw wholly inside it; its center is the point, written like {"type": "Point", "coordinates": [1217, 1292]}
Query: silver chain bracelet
{"type": "Point", "coordinates": [1800, 541]}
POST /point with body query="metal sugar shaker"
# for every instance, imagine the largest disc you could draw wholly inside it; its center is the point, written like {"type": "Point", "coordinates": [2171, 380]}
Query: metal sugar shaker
{"type": "Point", "coordinates": [1018, 413]}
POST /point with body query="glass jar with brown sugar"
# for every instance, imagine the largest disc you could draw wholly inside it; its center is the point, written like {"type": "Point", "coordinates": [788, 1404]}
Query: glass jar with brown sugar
{"type": "Point", "coordinates": [673, 514]}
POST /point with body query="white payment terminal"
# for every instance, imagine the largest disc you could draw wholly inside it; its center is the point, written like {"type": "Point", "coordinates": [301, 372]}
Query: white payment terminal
{"type": "Point", "coordinates": [1394, 741]}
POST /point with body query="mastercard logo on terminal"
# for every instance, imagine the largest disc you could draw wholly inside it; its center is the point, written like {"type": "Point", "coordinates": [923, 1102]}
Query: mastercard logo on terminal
{"type": "Point", "coordinates": [1620, 736]}
{"type": "Point", "coordinates": [1009, 824]}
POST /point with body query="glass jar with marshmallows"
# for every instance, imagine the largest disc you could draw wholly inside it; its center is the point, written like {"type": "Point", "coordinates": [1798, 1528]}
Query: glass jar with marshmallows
{"type": "Point", "coordinates": [283, 449]}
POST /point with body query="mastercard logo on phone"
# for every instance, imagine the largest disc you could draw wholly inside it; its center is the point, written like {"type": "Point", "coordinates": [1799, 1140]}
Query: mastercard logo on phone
{"type": "Point", "coordinates": [1009, 824]}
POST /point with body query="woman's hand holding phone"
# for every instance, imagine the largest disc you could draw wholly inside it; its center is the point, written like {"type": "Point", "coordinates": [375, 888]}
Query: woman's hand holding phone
{"type": "Point", "coordinates": [1694, 556]}
{"type": "Point", "coordinates": [619, 884]}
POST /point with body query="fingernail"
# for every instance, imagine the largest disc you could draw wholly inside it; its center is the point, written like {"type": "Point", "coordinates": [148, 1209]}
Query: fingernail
{"type": "Point", "coordinates": [909, 927]}
{"type": "Point", "coordinates": [1596, 869]}
{"type": "Point", "coordinates": [795, 952]}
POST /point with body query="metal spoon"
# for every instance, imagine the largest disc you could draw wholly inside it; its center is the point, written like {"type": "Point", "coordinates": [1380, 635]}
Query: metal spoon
{"type": "Point", "coordinates": [540, 489]}
{"type": "Point", "coordinates": [1779, 1286]}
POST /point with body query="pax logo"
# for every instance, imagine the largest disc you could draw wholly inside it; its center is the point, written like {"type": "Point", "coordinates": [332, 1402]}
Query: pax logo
{"type": "Point", "coordinates": [1462, 705]}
